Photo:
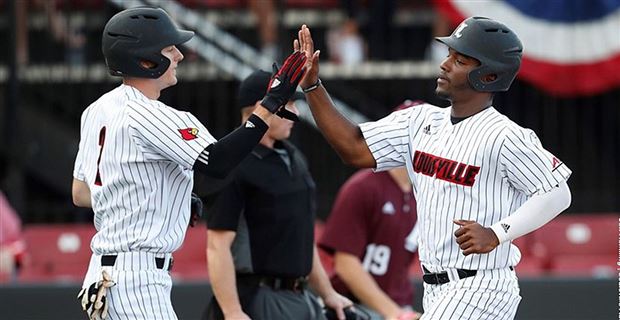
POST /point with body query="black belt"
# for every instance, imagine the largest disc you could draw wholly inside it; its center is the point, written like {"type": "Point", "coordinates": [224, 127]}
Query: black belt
{"type": "Point", "coordinates": [297, 284]}
{"type": "Point", "coordinates": [110, 260]}
{"type": "Point", "coordinates": [442, 277]}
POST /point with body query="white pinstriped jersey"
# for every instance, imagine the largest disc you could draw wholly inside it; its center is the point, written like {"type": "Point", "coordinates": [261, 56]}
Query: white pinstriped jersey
{"type": "Point", "coordinates": [136, 155]}
{"type": "Point", "coordinates": [482, 168]}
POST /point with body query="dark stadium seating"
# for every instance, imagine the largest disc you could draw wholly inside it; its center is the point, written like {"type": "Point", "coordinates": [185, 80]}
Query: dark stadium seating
{"type": "Point", "coordinates": [597, 266]}
{"type": "Point", "coordinates": [190, 261]}
{"type": "Point", "coordinates": [198, 4]}
{"type": "Point", "coordinates": [58, 252]}
{"type": "Point", "coordinates": [311, 3]}
{"type": "Point", "coordinates": [5, 277]}
{"type": "Point", "coordinates": [415, 271]}
{"type": "Point", "coordinates": [570, 245]}
{"type": "Point", "coordinates": [580, 234]}
{"type": "Point", "coordinates": [585, 245]}
{"type": "Point", "coordinates": [530, 264]}
{"type": "Point", "coordinates": [62, 253]}
{"type": "Point", "coordinates": [231, 4]}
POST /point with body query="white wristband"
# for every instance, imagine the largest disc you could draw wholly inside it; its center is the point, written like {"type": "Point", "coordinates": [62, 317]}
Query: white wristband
{"type": "Point", "coordinates": [312, 87]}
{"type": "Point", "coordinates": [502, 235]}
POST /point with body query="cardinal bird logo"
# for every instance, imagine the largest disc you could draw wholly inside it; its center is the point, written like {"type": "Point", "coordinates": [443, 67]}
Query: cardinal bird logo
{"type": "Point", "coordinates": [189, 133]}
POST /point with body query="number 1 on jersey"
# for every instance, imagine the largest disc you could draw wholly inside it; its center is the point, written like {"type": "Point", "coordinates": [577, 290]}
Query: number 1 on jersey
{"type": "Point", "coordinates": [101, 142]}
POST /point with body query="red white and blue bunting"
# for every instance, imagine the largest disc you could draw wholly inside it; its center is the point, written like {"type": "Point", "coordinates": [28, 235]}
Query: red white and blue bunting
{"type": "Point", "coordinates": [571, 47]}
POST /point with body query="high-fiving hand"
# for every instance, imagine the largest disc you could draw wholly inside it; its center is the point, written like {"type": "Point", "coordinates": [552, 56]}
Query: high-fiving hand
{"type": "Point", "coordinates": [305, 44]}
{"type": "Point", "coordinates": [284, 82]}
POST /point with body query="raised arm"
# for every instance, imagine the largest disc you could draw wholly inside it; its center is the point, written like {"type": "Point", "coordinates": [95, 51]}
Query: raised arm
{"type": "Point", "coordinates": [343, 135]}
{"type": "Point", "coordinates": [220, 158]}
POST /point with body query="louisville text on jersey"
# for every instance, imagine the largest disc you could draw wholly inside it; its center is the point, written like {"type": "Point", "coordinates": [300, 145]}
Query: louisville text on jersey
{"type": "Point", "coordinates": [189, 133]}
{"type": "Point", "coordinates": [445, 169]}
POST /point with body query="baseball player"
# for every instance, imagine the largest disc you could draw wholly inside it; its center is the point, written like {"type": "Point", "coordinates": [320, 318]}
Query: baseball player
{"type": "Point", "coordinates": [480, 180]}
{"type": "Point", "coordinates": [135, 164]}
{"type": "Point", "coordinates": [367, 233]}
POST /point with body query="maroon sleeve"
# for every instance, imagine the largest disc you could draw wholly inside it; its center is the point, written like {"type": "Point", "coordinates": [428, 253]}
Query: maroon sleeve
{"type": "Point", "coordinates": [347, 227]}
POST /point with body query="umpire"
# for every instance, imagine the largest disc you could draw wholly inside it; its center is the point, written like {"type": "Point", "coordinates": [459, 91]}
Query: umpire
{"type": "Point", "coordinates": [260, 248]}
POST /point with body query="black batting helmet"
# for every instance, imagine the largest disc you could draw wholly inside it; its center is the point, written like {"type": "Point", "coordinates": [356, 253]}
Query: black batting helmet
{"type": "Point", "coordinates": [496, 47]}
{"type": "Point", "coordinates": [138, 34]}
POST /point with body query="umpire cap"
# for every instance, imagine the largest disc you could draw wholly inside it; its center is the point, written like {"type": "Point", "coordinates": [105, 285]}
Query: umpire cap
{"type": "Point", "coordinates": [138, 34]}
{"type": "Point", "coordinates": [497, 48]}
